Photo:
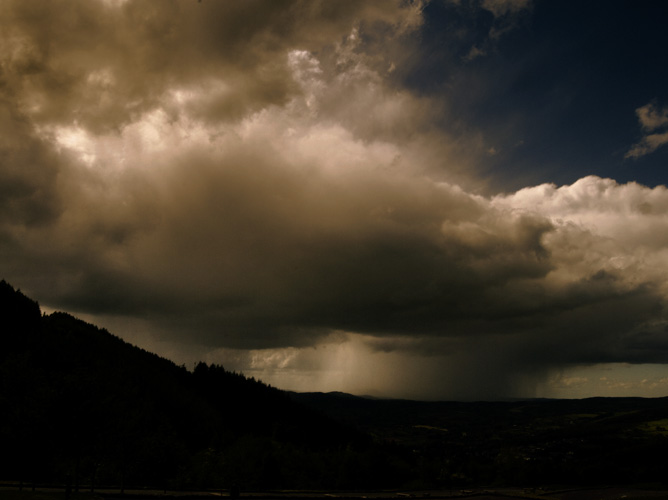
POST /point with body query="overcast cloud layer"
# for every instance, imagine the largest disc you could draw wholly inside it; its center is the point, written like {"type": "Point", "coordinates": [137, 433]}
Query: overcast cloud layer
{"type": "Point", "coordinates": [253, 182]}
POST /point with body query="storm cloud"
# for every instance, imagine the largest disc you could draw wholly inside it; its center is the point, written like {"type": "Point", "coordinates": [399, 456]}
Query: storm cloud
{"type": "Point", "coordinates": [250, 178]}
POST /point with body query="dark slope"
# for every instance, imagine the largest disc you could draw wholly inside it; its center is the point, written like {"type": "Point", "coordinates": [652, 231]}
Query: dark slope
{"type": "Point", "coordinates": [79, 401]}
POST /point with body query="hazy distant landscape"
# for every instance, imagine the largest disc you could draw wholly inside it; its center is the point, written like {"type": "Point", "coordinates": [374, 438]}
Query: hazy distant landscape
{"type": "Point", "coordinates": [83, 408]}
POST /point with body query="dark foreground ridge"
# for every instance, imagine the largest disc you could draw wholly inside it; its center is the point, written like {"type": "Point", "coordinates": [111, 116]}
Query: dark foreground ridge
{"type": "Point", "coordinates": [80, 405]}
{"type": "Point", "coordinates": [82, 409]}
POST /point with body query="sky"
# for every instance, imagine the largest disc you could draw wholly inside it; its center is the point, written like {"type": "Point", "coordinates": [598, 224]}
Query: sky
{"type": "Point", "coordinates": [453, 199]}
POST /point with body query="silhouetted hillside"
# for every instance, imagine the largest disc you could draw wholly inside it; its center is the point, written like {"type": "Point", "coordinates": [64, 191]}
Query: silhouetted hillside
{"type": "Point", "coordinates": [80, 402]}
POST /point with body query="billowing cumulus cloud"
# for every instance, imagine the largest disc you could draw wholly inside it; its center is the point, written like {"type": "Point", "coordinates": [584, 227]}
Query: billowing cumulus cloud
{"type": "Point", "coordinates": [249, 183]}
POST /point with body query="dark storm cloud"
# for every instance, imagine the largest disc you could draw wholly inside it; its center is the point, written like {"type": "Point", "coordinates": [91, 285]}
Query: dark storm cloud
{"type": "Point", "coordinates": [252, 177]}
{"type": "Point", "coordinates": [103, 63]}
{"type": "Point", "coordinates": [27, 174]}
{"type": "Point", "coordinates": [251, 257]}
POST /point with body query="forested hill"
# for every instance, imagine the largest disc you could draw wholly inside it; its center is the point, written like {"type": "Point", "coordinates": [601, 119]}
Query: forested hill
{"type": "Point", "coordinates": [80, 403]}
